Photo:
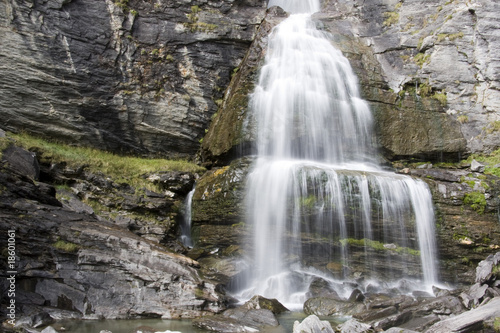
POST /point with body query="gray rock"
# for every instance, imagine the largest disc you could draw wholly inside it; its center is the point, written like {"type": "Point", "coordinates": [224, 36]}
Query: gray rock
{"type": "Point", "coordinates": [469, 321]}
{"type": "Point", "coordinates": [22, 161]}
{"type": "Point", "coordinates": [354, 326]}
{"type": "Point", "coordinates": [476, 166]}
{"type": "Point", "coordinates": [49, 329]}
{"type": "Point", "coordinates": [140, 78]}
{"type": "Point", "coordinates": [485, 268]}
{"type": "Point", "coordinates": [259, 302]}
{"type": "Point", "coordinates": [75, 262]}
{"type": "Point", "coordinates": [399, 330]}
{"type": "Point", "coordinates": [238, 320]}
{"type": "Point", "coordinates": [312, 324]}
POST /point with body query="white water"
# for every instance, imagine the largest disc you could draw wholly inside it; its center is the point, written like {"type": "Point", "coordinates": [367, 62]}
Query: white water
{"type": "Point", "coordinates": [316, 183]}
{"type": "Point", "coordinates": [186, 223]}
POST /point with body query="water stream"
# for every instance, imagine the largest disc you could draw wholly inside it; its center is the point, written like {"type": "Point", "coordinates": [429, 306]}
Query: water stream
{"type": "Point", "coordinates": [316, 191]}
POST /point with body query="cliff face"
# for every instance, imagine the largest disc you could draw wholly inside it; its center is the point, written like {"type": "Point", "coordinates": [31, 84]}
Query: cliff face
{"type": "Point", "coordinates": [428, 69]}
{"type": "Point", "coordinates": [125, 75]}
{"type": "Point", "coordinates": [429, 72]}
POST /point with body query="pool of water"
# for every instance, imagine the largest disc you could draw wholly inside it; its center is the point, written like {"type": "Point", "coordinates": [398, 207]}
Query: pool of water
{"type": "Point", "coordinates": [159, 325]}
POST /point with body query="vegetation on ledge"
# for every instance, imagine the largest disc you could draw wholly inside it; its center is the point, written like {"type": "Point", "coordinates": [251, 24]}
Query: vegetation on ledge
{"type": "Point", "coordinates": [120, 168]}
{"type": "Point", "coordinates": [378, 246]}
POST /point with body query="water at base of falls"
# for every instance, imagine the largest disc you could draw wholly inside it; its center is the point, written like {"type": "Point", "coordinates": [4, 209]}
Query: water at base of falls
{"type": "Point", "coordinates": [319, 205]}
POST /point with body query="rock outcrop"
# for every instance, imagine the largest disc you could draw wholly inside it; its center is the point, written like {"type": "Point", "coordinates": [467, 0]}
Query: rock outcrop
{"type": "Point", "coordinates": [429, 81]}
{"type": "Point", "coordinates": [250, 317]}
{"type": "Point", "coordinates": [131, 76]}
{"type": "Point", "coordinates": [460, 310]}
{"type": "Point", "coordinates": [73, 261]}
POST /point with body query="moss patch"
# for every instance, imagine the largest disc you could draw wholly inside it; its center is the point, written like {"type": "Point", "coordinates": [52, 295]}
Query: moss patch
{"type": "Point", "coordinates": [378, 246]}
{"type": "Point", "coordinates": [126, 169]}
{"type": "Point", "coordinates": [476, 201]}
{"type": "Point", "coordinates": [66, 246]}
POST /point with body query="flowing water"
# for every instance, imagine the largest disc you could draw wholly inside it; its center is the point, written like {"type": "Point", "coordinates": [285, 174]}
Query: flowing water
{"type": "Point", "coordinates": [186, 223]}
{"type": "Point", "coordinates": [316, 190]}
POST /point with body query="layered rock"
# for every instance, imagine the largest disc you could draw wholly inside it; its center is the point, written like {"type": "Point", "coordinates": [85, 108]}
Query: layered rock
{"type": "Point", "coordinates": [72, 261]}
{"type": "Point", "coordinates": [129, 76]}
{"type": "Point", "coordinates": [464, 310]}
{"type": "Point", "coordinates": [427, 79]}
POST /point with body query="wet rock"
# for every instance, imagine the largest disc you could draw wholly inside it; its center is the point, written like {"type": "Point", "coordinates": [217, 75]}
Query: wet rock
{"type": "Point", "coordinates": [323, 306]}
{"type": "Point", "coordinates": [356, 296]}
{"type": "Point", "coordinates": [177, 182]}
{"type": "Point", "coordinates": [238, 320]}
{"type": "Point", "coordinates": [49, 329]}
{"type": "Point", "coordinates": [312, 324]}
{"type": "Point", "coordinates": [376, 313]}
{"type": "Point", "coordinates": [321, 288]}
{"type": "Point", "coordinates": [399, 330]}
{"type": "Point", "coordinates": [259, 302]}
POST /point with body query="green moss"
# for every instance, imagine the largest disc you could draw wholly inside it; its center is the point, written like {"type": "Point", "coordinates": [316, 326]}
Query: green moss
{"type": "Point", "coordinates": [451, 37]}
{"type": "Point", "coordinates": [491, 160]}
{"type": "Point", "coordinates": [391, 18]}
{"type": "Point", "coordinates": [496, 323]}
{"type": "Point", "coordinates": [421, 59]}
{"type": "Point", "coordinates": [476, 201]}
{"type": "Point", "coordinates": [193, 21]}
{"type": "Point", "coordinates": [122, 169]}
{"type": "Point", "coordinates": [463, 119]}
{"type": "Point", "coordinates": [441, 97]}
{"type": "Point", "coordinates": [493, 127]}
{"type": "Point", "coordinates": [377, 246]}
{"type": "Point", "coordinates": [66, 246]}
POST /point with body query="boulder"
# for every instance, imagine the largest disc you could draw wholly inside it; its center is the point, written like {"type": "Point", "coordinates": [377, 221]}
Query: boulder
{"type": "Point", "coordinates": [312, 324]}
{"type": "Point", "coordinates": [476, 166]}
{"type": "Point", "coordinates": [354, 326]}
{"type": "Point", "coordinates": [259, 302]}
{"type": "Point", "coordinates": [238, 320]}
{"type": "Point", "coordinates": [488, 269]}
{"type": "Point", "coordinates": [22, 161]}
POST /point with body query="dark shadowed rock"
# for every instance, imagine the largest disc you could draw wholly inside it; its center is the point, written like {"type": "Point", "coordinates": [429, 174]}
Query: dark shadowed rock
{"type": "Point", "coordinates": [135, 77]}
{"type": "Point", "coordinates": [73, 261]}
{"type": "Point", "coordinates": [22, 161]}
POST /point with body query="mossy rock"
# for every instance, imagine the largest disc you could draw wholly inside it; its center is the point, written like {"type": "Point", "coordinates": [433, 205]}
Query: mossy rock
{"type": "Point", "coordinates": [219, 195]}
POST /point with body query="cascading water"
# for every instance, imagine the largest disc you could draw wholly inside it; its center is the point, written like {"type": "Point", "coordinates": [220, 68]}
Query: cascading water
{"type": "Point", "coordinates": [316, 191]}
{"type": "Point", "coordinates": [186, 223]}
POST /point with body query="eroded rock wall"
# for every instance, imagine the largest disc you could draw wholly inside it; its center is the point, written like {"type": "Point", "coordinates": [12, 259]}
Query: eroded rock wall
{"type": "Point", "coordinates": [133, 76]}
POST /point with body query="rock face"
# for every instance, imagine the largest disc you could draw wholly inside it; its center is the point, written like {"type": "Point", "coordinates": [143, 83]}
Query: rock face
{"type": "Point", "coordinates": [122, 75]}
{"type": "Point", "coordinates": [428, 80]}
{"type": "Point", "coordinates": [70, 260]}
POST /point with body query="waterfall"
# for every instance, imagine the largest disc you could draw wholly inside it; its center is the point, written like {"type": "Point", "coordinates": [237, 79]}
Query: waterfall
{"type": "Point", "coordinates": [186, 222]}
{"type": "Point", "coordinates": [316, 191]}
